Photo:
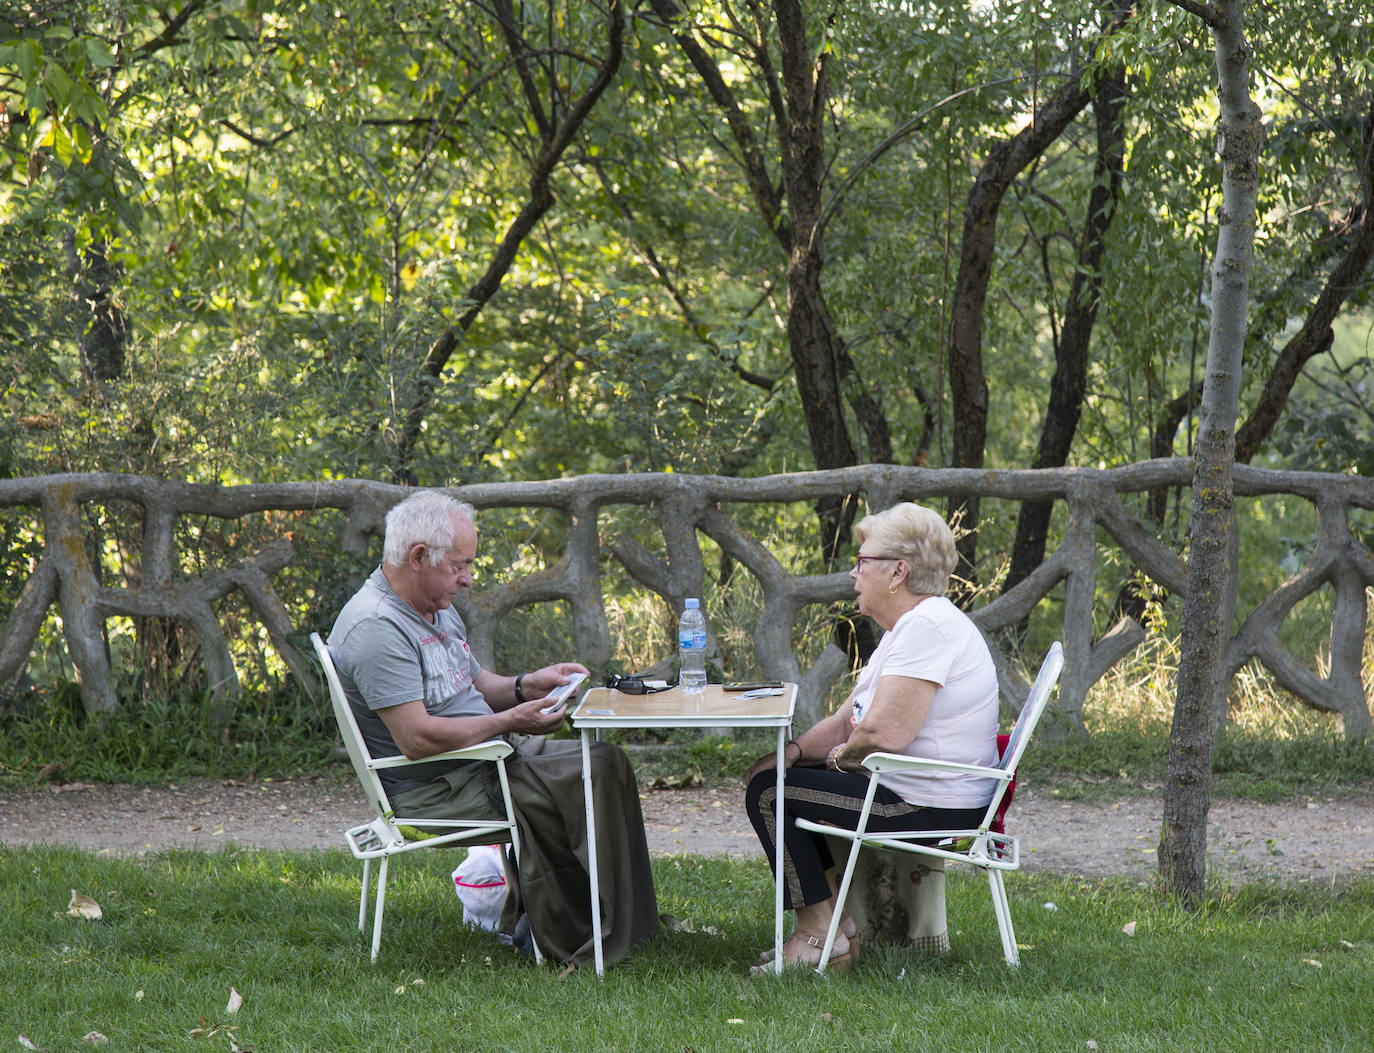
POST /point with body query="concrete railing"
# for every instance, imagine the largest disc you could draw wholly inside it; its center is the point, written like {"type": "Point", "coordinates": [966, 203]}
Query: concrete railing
{"type": "Point", "coordinates": [683, 509]}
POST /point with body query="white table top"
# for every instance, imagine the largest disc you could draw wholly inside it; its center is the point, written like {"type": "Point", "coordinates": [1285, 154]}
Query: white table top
{"type": "Point", "coordinates": [601, 707]}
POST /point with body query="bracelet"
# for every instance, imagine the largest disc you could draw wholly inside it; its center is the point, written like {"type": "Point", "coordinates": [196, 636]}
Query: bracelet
{"type": "Point", "coordinates": [520, 695]}
{"type": "Point", "coordinates": [800, 751]}
{"type": "Point", "coordinates": [835, 758]}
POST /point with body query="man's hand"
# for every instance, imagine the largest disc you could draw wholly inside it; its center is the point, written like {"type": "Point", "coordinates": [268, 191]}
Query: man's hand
{"type": "Point", "coordinates": [529, 718]}
{"type": "Point", "coordinates": [540, 682]}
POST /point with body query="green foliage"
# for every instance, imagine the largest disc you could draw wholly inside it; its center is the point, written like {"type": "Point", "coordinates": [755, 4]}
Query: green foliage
{"type": "Point", "coordinates": [152, 739]}
{"type": "Point", "coordinates": [1261, 964]}
{"type": "Point", "coordinates": [291, 205]}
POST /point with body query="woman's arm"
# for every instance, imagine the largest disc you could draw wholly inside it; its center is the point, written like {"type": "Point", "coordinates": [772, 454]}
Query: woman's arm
{"type": "Point", "coordinates": [812, 745]}
{"type": "Point", "coordinates": [900, 706]}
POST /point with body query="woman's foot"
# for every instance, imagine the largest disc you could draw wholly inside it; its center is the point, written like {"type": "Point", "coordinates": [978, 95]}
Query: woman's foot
{"type": "Point", "coordinates": [846, 941]}
{"type": "Point", "coordinates": [803, 951]}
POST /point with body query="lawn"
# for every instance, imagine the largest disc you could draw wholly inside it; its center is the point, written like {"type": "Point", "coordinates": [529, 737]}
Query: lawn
{"type": "Point", "coordinates": [1262, 967]}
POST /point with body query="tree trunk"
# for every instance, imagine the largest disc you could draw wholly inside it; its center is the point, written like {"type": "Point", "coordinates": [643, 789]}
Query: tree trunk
{"type": "Point", "coordinates": [1315, 336]}
{"type": "Point", "coordinates": [967, 382]}
{"type": "Point", "coordinates": [557, 129]}
{"type": "Point", "coordinates": [1183, 844]}
{"type": "Point", "coordinates": [1071, 353]}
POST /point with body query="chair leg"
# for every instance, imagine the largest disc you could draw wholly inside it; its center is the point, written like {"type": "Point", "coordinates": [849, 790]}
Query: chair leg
{"type": "Point", "coordinates": [381, 906]}
{"type": "Point", "coordinates": [362, 899]}
{"type": "Point", "coordinates": [515, 842]}
{"type": "Point", "coordinates": [998, 887]}
{"type": "Point", "coordinates": [840, 895]}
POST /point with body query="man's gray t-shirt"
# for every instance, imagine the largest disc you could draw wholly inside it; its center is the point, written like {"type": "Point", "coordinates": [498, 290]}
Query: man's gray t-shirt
{"type": "Point", "coordinates": [386, 655]}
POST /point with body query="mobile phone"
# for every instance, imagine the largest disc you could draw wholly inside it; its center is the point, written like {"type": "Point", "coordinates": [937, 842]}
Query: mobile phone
{"type": "Point", "coordinates": [563, 692]}
{"type": "Point", "coordinates": [752, 685]}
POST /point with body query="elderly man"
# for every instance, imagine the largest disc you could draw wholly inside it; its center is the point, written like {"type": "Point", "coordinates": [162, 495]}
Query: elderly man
{"type": "Point", "coordinates": [404, 662]}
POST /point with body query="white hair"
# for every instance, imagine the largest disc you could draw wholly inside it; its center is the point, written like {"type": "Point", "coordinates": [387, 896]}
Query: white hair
{"type": "Point", "coordinates": [918, 535]}
{"type": "Point", "coordinates": [424, 518]}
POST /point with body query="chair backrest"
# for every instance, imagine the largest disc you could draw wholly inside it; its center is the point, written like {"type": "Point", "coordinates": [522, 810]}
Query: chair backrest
{"type": "Point", "coordinates": [1013, 745]}
{"type": "Point", "coordinates": [358, 754]}
{"type": "Point", "coordinates": [1036, 701]}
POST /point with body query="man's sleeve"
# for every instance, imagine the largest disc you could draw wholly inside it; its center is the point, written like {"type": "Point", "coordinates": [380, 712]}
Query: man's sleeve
{"type": "Point", "coordinates": [382, 664]}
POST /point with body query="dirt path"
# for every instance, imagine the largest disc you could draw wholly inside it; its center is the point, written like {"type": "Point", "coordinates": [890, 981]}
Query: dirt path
{"type": "Point", "coordinates": [1319, 839]}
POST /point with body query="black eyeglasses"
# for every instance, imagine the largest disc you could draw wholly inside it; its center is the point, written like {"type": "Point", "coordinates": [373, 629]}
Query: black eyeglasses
{"type": "Point", "coordinates": [630, 685]}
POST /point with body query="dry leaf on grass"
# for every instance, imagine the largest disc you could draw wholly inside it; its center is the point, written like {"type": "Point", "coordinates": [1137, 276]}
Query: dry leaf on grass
{"type": "Point", "coordinates": [1129, 928]}
{"type": "Point", "coordinates": [84, 907]}
{"type": "Point", "coordinates": [235, 1001]}
{"type": "Point", "coordinates": [683, 781]}
{"type": "Point", "coordinates": [95, 1038]}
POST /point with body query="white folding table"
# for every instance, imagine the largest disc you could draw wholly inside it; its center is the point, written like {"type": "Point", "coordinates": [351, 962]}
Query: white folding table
{"type": "Point", "coordinates": [713, 708]}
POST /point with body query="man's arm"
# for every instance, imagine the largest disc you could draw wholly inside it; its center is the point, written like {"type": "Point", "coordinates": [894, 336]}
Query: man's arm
{"type": "Point", "coordinates": [420, 734]}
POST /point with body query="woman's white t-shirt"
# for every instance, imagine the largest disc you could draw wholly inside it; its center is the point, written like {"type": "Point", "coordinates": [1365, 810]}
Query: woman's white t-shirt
{"type": "Point", "coordinates": [936, 641]}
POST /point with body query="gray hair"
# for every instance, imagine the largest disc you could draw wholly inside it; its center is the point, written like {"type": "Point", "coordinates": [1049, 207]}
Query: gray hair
{"type": "Point", "coordinates": [424, 518]}
{"type": "Point", "coordinates": [918, 535]}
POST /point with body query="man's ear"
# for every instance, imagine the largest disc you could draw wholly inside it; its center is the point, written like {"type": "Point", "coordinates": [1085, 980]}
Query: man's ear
{"type": "Point", "coordinates": [417, 557]}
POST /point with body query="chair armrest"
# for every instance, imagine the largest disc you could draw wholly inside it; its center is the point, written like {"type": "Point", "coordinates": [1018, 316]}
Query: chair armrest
{"type": "Point", "coordinates": [493, 749]}
{"type": "Point", "coordinates": [892, 762]}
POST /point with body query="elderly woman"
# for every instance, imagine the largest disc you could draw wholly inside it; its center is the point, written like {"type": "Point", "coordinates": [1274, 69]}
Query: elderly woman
{"type": "Point", "coordinates": [929, 690]}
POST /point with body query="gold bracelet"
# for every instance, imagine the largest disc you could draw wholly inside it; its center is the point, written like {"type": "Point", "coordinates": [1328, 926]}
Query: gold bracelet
{"type": "Point", "coordinates": [835, 758]}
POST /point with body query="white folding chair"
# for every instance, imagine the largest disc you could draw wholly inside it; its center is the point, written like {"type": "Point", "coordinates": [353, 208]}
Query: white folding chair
{"type": "Point", "coordinates": [983, 848]}
{"type": "Point", "coordinates": [383, 838]}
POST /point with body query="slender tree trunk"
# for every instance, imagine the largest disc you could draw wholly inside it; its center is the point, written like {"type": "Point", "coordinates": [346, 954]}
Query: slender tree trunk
{"type": "Point", "coordinates": [1067, 386]}
{"type": "Point", "coordinates": [1316, 335]}
{"type": "Point", "coordinates": [557, 129]}
{"type": "Point", "coordinates": [1187, 791]}
{"type": "Point", "coordinates": [968, 383]}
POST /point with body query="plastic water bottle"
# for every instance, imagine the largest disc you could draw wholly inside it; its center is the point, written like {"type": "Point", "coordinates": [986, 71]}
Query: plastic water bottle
{"type": "Point", "coordinates": [691, 649]}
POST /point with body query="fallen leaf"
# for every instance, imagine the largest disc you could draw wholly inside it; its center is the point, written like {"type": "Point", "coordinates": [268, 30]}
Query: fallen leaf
{"type": "Point", "coordinates": [95, 1038]}
{"type": "Point", "coordinates": [1312, 962]}
{"type": "Point", "coordinates": [84, 907]}
{"type": "Point", "coordinates": [24, 1041]}
{"type": "Point", "coordinates": [1347, 945]}
{"type": "Point", "coordinates": [1092, 1044]}
{"type": "Point", "coordinates": [1129, 928]}
{"type": "Point", "coordinates": [235, 1002]}
{"type": "Point", "coordinates": [682, 781]}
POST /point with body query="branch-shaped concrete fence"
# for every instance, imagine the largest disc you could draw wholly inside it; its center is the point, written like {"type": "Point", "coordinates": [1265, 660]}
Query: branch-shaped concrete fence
{"type": "Point", "coordinates": [683, 509]}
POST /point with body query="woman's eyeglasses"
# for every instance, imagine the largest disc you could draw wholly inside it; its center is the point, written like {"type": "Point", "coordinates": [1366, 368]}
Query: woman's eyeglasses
{"type": "Point", "coordinates": [631, 685]}
{"type": "Point", "coordinates": [859, 561]}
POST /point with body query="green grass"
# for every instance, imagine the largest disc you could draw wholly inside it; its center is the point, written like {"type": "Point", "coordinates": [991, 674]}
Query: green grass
{"type": "Point", "coordinates": [181, 928]}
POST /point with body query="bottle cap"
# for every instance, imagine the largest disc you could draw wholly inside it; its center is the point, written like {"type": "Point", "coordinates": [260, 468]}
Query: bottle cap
{"type": "Point", "coordinates": [693, 604]}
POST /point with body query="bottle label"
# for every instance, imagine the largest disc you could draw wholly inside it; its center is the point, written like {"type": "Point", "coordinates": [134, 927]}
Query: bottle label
{"type": "Point", "coordinates": [691, 640]}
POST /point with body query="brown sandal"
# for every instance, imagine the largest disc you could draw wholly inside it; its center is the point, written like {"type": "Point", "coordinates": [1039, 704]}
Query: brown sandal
{"type": "Point", "coordinates": [839, 963]}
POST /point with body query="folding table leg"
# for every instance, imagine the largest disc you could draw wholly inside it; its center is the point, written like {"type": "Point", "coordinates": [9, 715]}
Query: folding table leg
{"type": "Point", "coordinates": [777, 853]}
{"type": "Point", "coordinates": [591, 851]}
